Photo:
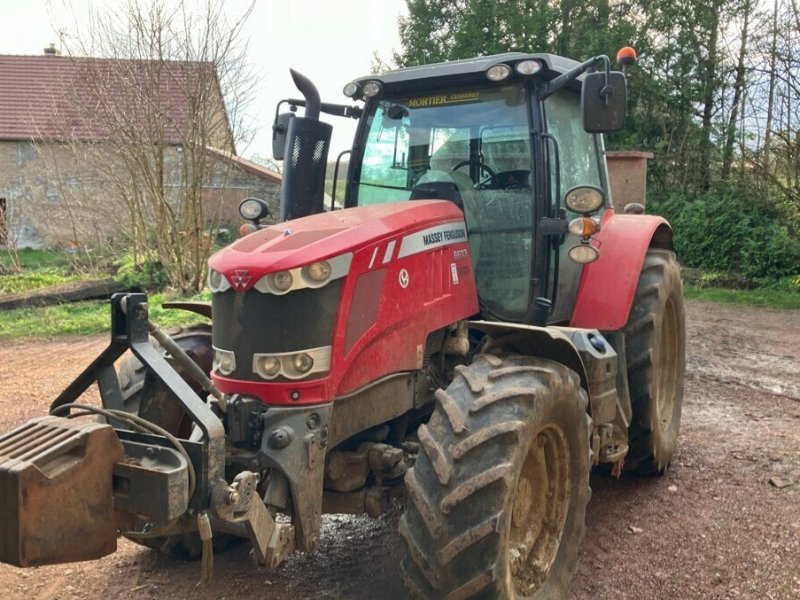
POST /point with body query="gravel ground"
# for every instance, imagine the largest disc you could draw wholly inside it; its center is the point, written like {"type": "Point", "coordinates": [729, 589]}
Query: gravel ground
{"type": "Point", "coordinates": [716, 526]}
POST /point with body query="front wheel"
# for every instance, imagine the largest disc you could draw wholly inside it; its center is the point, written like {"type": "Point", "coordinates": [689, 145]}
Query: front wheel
{"type": "Point", "coordinates": [497, 500]}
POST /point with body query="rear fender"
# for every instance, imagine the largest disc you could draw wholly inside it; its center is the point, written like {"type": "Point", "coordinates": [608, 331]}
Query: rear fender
{"type": "Point", "coordinates": [607, 286]}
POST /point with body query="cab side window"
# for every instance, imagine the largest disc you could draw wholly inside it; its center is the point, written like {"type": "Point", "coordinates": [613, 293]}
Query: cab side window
{"type": "Point", "coordinates": [577, 149]}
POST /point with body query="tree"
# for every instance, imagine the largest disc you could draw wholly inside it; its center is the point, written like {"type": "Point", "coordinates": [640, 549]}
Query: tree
{"type": "Point", "coordinates": [174, 83]}
{"type": "Point", "coordinates": [715, 94]}
{"type": "Point", "coordinates": [738, 92]}
{"type": "Point", "coordinates": [439, 30]}
{"type": "Point", "coordinates": [426, 34]}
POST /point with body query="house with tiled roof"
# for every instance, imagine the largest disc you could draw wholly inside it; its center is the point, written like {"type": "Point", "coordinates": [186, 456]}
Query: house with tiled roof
{"type": "Point", "coordinates": [65, 126]}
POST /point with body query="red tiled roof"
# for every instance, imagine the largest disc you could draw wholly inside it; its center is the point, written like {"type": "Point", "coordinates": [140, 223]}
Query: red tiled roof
{"type": "Point", "coordinates": [89, 99]}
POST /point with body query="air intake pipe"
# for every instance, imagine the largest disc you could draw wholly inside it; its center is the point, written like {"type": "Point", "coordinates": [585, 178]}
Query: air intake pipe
{"type": "Point", "coordinates": [306, 157]}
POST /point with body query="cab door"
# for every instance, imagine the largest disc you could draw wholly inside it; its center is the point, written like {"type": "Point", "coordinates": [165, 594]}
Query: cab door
{"type": "Point", "coordinates": [574, 158]}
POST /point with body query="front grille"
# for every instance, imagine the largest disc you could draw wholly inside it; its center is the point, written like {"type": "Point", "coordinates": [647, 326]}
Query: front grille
{"type": "Point", "coordinates": [254, 323]}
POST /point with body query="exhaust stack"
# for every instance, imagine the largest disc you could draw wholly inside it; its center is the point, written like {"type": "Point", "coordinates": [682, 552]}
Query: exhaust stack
{"type": "Point", "coordinates": [306, 157]}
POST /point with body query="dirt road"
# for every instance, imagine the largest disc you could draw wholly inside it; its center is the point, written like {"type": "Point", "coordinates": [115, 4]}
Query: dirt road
{"type": "Point", "coordinates": [713, 527]}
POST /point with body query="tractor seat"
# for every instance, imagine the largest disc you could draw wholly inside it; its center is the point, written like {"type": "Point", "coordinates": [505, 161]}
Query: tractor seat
{"type": "Point", "coordinates": [441, 185]}
{"type": "Point", "coordinates": [438, 190]}
{"type": "Point", "coordinates": [517, 179]}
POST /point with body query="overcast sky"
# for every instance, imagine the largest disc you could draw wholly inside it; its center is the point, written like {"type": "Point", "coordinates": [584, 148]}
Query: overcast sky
{"type": "Point", "coordinates": [330, 41]}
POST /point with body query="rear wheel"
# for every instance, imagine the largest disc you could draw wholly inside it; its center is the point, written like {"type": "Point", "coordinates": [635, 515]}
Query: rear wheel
{"type": "Point", "coordinates": [149, 398]}
{"type": "Point", "coordinates": [497, 500]}
{"type": "Point", "coordinates": [655, 339]}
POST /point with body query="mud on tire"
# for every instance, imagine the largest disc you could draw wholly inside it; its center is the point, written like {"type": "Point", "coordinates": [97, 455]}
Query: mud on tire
{"type": "Point", "coordinates": [655, 339]}
{"type": "Point", "coordinates": [497, 498]}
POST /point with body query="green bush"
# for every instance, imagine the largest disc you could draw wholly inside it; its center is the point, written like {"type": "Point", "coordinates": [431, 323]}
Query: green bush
{"type": "Point", "coordinates": [731, 232]}
{"type": "Point", "coordinates": [150, 275]}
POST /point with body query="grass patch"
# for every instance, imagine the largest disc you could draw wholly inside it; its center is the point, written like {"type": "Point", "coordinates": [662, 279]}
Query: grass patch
{"type": "Point", "coordinates": [28, 280]}
{"type": "Point", "coordinates": [35, 259]}
{"type": "Point", "coordinates": [84, 318]}
{"type": "Point", "coordinates": [766, 297]}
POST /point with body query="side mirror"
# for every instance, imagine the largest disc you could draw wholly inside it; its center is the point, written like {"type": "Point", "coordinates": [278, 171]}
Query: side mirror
{"type": "Point", "coordinates": [603, 104]}
{"type": "Point", "coordinates": [280, 129]}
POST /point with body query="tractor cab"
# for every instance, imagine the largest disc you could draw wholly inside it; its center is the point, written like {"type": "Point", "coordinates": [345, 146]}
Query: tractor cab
{"type": "Point", "coordinates": [504, 139]}
{"type": "Point", "coordinates": [509, 139]}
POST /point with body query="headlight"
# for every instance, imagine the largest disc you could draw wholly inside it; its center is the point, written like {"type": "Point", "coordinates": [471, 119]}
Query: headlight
{"type": "Point", "coordinates": [498, 72]}
{"type": "Point", "coordinates": [293, 365]}
{"type": "Point", "coordinates": [267, 366]}
{"type": "Point", "coordinates": [253, 209]}
{"type": "Point", "coordinates": [583, 253]}
{"type": "Point", "coordinates": [584, 199]}
{"type": "Point", "coordinates": [311, 276]}
{"type": "Point", "coordinates": [303, 362]}
{"type": "Point", "coordinates": [351, 89]}
{"type": "Point", "coordinates": [282, 280]}
{"type": "Point", "coordinates": [371, 88]}
{"type": "Point", "coordinates": [224, 361]}
{"type": "Point", "coordinates": [278, 283]}
{"type": "Point", "coordinates": [318, 272]}
{"type": "Point", "coordinates": [217, 282]}
{"type": "Point", "coordinates": [528, 67]}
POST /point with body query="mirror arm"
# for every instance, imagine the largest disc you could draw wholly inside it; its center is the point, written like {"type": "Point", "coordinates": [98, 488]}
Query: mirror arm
{"type": "Point", "coordinates": [292, 107]}
{"type": "Point", "coordinates": [562, 80]}
{"type": "Point", "coordinates": [337, 110]}
{"type": "Point", "coordinates": [605, 92]}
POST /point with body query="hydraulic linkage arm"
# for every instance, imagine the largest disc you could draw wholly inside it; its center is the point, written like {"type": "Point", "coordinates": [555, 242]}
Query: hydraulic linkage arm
{"type": "Point", "coordinates": [69, 487]}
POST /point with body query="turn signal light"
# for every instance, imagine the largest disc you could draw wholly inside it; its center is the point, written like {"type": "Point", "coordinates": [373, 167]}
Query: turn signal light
{"type": "Point", "coordinates": [247, 229]}
{"type": "Point", "coordinates": [584, 227]}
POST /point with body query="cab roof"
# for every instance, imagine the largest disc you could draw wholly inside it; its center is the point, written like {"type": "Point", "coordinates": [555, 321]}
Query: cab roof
{"type": "Point", "coordinates": [466, 71]}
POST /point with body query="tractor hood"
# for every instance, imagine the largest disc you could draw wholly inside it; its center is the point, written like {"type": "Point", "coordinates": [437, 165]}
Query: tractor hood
{"type": "Point", "coordinates": [323, 236]}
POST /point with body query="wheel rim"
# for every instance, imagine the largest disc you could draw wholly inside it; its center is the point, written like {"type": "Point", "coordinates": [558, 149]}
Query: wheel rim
{"type": "Point", "coordinates": [539, 511]}
{"type": "Point", "coordinates": [666, 371]}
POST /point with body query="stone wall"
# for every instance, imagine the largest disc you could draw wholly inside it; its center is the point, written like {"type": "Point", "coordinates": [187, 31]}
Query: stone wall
{"type": "Point", "coordinates": [71, 195]}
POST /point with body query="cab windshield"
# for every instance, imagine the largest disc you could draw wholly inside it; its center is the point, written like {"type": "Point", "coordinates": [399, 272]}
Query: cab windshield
{"type": "Point", "coordinates": [471, 147]}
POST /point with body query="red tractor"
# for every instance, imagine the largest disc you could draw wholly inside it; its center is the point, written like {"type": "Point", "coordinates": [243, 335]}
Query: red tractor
{"type": "Point", "coordinates": [476, 328]}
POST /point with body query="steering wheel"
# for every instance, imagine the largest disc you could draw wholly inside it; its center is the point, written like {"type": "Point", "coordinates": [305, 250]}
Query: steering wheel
{"type": "Point", "coordinates": [489, 182]}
